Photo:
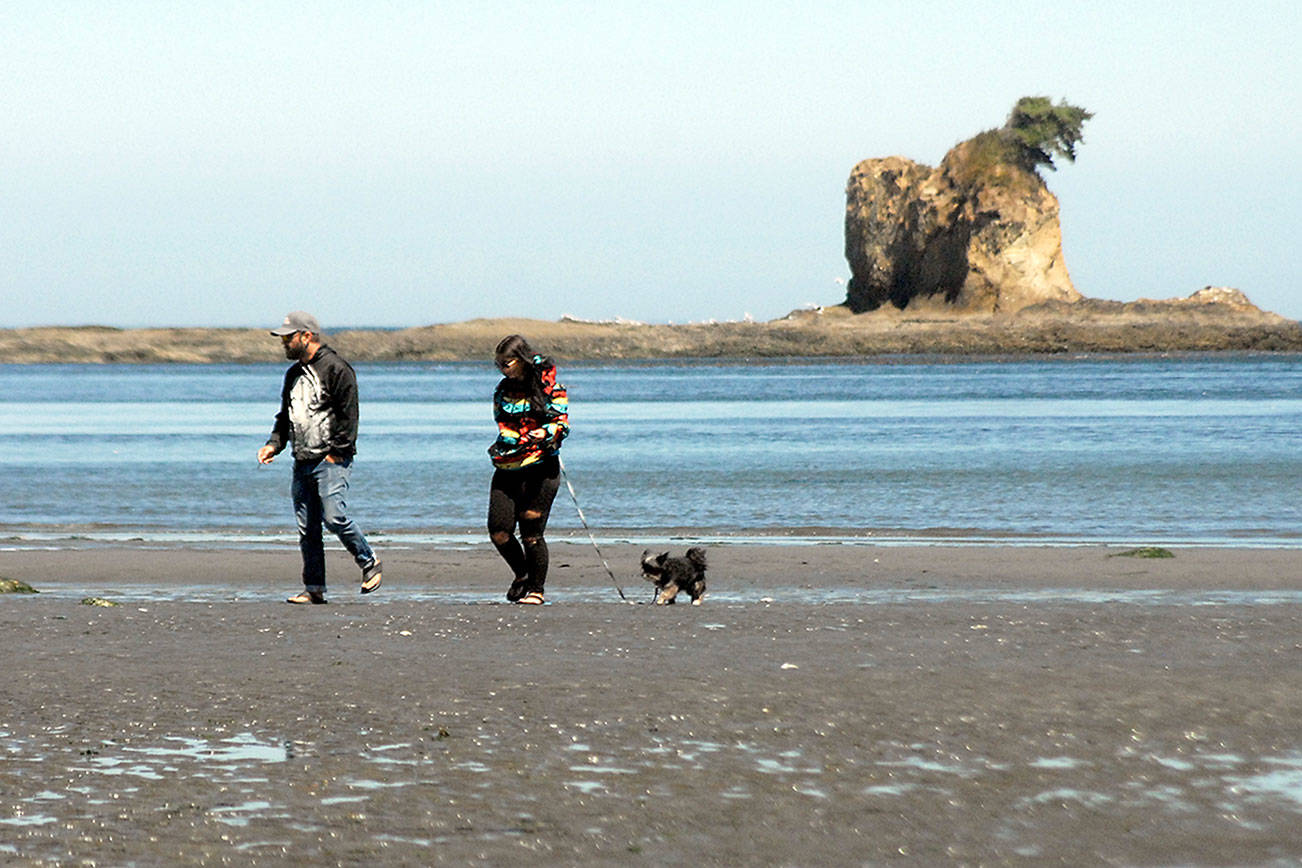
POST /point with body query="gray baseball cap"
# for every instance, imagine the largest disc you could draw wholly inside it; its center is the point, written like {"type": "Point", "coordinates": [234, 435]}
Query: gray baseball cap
{"type": "Point", "coordinates": [298, 321]}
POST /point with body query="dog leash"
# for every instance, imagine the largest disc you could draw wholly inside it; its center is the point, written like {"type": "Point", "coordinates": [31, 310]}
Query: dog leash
{"type": "Point", "coordinates": [575, 498]}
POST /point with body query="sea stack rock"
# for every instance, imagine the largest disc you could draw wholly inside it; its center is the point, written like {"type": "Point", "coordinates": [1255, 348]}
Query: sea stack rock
{"type": "Point", "coordinates": [976, 235]}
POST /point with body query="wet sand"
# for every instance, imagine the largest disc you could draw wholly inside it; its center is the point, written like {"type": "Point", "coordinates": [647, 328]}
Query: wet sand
{"type": "Point", "coordinates": [826, 705]}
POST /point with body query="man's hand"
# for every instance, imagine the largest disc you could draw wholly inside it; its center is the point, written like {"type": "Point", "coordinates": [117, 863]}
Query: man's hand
{"type": "Point", "coordinates": [266, 454]}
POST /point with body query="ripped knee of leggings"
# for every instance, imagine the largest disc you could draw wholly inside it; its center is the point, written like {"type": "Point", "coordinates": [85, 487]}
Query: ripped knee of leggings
{"type": "Point", "coordinates": [500, 537]}
{"type": "Point", "coordinates": [531, 526]}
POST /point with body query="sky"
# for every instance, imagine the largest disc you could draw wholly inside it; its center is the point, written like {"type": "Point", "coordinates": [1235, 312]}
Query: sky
{"type": "Point", "coordinates": [407, 163]}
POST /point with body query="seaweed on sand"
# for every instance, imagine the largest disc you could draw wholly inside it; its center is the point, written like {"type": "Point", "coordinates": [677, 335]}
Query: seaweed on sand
{"type": "Point", "coordinates": [1144, 552]}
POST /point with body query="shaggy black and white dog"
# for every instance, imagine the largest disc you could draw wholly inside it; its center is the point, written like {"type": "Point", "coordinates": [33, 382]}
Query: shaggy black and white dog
{"type": "Point", "coordinates": [671, 575]}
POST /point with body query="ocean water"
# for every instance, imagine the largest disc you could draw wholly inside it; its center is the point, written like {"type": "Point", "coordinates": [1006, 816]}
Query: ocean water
{"type": "Point", "coordinates": [1184, 450]}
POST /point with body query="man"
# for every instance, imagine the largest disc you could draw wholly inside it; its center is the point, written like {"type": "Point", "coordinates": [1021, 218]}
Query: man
{"type": "Point", "coordinates": [318, 414]}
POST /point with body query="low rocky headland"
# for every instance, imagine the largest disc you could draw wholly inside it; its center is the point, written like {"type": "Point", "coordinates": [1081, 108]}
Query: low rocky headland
{"type": "Point", "coordinates": [1211, 320]}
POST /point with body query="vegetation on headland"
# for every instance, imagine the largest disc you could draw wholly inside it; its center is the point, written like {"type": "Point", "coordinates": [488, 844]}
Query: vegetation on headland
{"type": "Point", "coordinates": [1089, 326]}
{"type": "Point", "coordinates": [1036, 131]}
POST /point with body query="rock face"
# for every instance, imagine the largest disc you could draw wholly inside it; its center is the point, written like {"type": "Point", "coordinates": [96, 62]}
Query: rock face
{"type": "Point", "coordinates": [973, 235]}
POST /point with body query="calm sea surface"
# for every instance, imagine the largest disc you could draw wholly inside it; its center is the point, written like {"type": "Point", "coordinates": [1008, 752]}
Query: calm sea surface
{"type": "Point", "coordinates": [1197, 450]}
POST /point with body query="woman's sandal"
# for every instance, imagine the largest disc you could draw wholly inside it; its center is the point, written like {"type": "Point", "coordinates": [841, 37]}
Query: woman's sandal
{"type": "Point", "coordinates": [517, 589]}
{"type": "Point", "coordinates": [533, 598]}
{"type": "Point", "coordinates": [371, 577]}
{"type": "Point", "coordinates": [308, 597]}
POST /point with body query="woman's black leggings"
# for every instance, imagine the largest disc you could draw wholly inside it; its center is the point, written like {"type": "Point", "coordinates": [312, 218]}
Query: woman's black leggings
{"type": "Point", "coordinates": [524, 497]}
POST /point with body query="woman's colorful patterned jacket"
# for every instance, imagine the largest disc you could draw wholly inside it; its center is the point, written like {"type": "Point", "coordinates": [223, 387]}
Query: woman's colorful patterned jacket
{"type": "Point", "coordinates": [525, 434]}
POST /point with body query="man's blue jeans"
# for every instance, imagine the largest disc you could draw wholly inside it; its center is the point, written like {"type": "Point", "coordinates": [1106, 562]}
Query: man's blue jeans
{"type": "Point", "coordinates": [320, 489]}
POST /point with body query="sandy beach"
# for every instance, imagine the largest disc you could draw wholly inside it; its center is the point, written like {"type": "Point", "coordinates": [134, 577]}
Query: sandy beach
{"type": "Point", "coordinates": [828, 704]}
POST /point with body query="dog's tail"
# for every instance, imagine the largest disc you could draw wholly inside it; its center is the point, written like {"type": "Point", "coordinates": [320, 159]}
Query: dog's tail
{"type": "Point", "coordinates": [697, 556]}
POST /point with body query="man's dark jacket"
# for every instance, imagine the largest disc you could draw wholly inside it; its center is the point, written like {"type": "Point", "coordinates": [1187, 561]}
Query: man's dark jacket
{"type": "Point", "coordinates": [318, 408]}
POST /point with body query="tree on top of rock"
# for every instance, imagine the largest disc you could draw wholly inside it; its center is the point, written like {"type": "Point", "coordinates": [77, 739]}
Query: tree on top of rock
{"type": "Point", "coordinates": [1037, 130]}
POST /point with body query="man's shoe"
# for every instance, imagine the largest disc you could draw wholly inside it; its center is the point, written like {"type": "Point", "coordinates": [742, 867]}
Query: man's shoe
{"type": "Point", "coordinates": [371, 577]}
{"type": "Point", "coordinates": [314, 597]}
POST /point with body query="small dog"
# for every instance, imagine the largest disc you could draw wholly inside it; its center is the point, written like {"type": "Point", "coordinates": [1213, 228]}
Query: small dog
{"type": "Point", "coordinates": [672, 575]}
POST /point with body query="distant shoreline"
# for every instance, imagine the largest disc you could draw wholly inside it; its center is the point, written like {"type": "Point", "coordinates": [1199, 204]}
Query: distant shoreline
{"type": "Point", "coordinates": [1048, 329]}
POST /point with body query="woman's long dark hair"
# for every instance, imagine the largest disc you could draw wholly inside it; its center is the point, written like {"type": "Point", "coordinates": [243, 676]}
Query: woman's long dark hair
{"type": "Point", "coordinates": [516, 347]}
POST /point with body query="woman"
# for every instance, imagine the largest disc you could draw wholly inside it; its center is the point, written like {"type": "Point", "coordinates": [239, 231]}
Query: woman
{"type": "Point", "coordinates": [532, 413]}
